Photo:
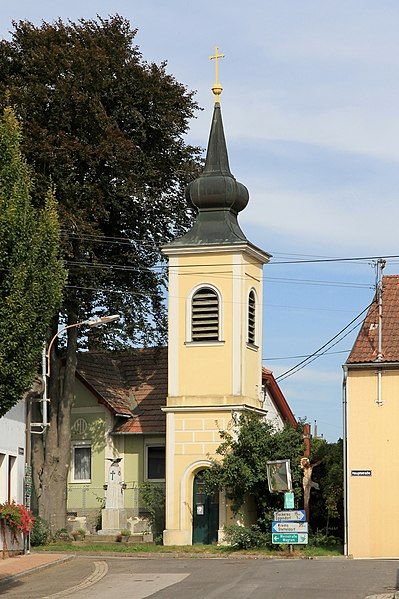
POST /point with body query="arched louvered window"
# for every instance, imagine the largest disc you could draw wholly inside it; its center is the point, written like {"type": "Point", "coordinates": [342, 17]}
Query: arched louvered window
{"type": "Point", "coordinates": [205, 315]}
{"type": "Point", "coordinates": [251, 318]}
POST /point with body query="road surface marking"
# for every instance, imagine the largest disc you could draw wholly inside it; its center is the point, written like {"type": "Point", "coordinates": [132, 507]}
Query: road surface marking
{"type": "Point", "coordinates": [100, 570]}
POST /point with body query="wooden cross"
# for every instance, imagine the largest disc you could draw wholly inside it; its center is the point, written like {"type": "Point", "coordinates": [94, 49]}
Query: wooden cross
{"type": "Point", "coordinates": [216, 57]}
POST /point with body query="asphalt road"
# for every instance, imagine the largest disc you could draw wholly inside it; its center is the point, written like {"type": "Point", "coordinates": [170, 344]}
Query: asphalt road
{"type": "Point", "coordinates": [198, 578]}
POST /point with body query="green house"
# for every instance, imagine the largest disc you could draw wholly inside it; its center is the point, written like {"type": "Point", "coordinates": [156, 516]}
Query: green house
{"type": "Point", "coordinates": [117, 413]}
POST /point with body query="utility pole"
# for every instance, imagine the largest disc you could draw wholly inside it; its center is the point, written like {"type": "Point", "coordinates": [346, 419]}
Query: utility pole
{"type": "Point", "coordinates": [380, 265]}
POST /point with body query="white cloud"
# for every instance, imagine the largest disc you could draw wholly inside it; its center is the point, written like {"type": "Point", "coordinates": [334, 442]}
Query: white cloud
{"type": "Point", "coordinates": [341, 220]}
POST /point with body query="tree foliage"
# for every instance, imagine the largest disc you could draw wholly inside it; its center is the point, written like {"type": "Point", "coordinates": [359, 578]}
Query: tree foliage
{"type": "Point", "coordinates": [31, 272]}
{"type": "Point", "coordinates": [328, 504]}
{"type": "Point", "coordinates": [107, 129]}
{"type": "Point", "coordinates": [241, 468]}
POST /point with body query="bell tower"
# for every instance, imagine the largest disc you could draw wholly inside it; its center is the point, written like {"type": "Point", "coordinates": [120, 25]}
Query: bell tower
{"type": "Point", "coordinates": [215, 336]}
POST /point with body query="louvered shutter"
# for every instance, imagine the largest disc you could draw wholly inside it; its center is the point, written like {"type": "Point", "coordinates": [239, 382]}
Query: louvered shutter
{"type": "Point", "coordinates": [251, 318]}
{"type": "Point", "coordinates": [205, 315]}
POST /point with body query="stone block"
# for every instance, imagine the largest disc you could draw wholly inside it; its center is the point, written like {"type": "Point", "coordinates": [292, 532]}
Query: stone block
{"type": "Point", "coordinates": [112, 521]}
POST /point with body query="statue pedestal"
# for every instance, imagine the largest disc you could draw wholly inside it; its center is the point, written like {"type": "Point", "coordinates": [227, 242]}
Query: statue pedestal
{"type": "Point", "coordinates": [113, 521]}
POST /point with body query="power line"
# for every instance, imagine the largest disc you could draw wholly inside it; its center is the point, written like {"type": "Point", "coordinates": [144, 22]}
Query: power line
{"type": "Point", "coordinates": [130, 268]}
{"type": "Point", "coordinates": [314, 258]}
{"type": "Point", "coordinates": [341, 351]}
{"type": "Point", "coordinates": [134, 292]}
{"type": "Point", "coordinates": [287, 372]}
{"type": "Point", "coordinates": [321, 354]}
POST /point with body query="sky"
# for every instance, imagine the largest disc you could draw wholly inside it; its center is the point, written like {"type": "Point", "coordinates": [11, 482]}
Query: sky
{"type": "Point", "coordinates": [311, 116]}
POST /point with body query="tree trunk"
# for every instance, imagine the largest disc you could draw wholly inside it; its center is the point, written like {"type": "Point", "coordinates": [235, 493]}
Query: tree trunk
{"type": "Point", "coordinates": [51, 453]}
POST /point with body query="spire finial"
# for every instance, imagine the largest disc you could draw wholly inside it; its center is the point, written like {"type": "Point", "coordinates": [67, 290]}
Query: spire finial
{"type": "Point", "coordinates": [217, 88]}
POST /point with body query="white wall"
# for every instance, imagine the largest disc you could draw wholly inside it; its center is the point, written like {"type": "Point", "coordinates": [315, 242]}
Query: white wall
{"type": "Point", "coordinates": [273, 414]}
{"type": "Point", "coordinates": [12, 450]}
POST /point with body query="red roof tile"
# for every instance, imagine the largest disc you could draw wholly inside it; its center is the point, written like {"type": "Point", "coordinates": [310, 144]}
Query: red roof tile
{"type": "Point", "coordinates": [278, 398]}
{"type": "Point", "coordinates": [365, 348]}
{"type": "Point", "coordinates": [131, 383]}
{"type": "Point", "coordinates": [134, 383]}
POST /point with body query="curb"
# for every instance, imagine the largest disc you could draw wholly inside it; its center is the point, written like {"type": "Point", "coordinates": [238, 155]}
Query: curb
{"type": "Point", "coordinates": [4, 581]}
{"type": "Point", "coordinates": [215, 556]}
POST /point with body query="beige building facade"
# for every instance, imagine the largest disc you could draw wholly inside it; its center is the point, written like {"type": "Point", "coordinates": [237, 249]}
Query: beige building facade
{"type": "Point", "coordinates": [371, 417]}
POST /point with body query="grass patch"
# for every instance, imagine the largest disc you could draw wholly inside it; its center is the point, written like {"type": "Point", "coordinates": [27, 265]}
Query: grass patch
{"type": "Point", "coordinates": [186, 549]}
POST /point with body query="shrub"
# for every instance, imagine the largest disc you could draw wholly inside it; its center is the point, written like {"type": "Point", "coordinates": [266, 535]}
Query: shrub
{"type": "Point", "coordinates": [62, 535]}
{"type": "Point", "coordinates": [40, 534]}
{"type": "Point", "coordinates": [125, 532]}
{"type": "Point", "coordinates": [153, 498]}
{"type": "Point", "coordinates": [319, 539]}
{"type": "Point", "coordinates": [247, 537]}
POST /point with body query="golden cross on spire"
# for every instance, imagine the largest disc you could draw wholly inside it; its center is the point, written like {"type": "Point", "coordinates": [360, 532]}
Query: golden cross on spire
{"type": "Point", "coordinates": [217, 88]}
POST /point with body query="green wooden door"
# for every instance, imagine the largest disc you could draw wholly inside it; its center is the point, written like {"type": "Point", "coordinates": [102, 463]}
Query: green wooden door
{"type": "Point", "coordinates": [205, 513]}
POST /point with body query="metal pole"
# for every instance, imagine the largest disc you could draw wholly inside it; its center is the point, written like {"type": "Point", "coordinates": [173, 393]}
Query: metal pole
{"type": "Point", "coordinates": [345, 448]}
{"type": "Point", "coordinates": [44, 377]}
{"type": "Point", "coordinates": [380, 268]}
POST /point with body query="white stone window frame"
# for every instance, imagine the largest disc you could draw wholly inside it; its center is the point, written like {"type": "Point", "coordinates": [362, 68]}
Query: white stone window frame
{"type": "Point", "coordinates": [189, 309]}
{"type": "Point", "coordinates": [146, 446]}
{"type": "Point", "coordinates": [79, 445]}
{"type": "Point", "coordinates": [254, 346]}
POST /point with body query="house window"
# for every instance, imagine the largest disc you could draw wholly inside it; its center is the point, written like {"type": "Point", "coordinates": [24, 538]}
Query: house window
{"type": "Point", "coordinates": [251, 318]}
{"type": "Point", "coordinates": [81, 463]}
{"type": "Point", "coordinates": [155, 462]}
{"type": "Point", "coordinates": [205, 315]}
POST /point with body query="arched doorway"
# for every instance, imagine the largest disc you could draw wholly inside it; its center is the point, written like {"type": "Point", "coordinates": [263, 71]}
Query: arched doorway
{"type": "Point", "coordinates": [205, 512]}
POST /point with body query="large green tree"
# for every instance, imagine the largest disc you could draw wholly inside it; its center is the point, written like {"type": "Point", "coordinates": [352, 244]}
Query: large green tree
{"type": "Point", "coordinates": [107, 129]}
{"type": "Point", "coordinates": [31, 272]}
{"type": "Point", "coordinates": [241, 468]}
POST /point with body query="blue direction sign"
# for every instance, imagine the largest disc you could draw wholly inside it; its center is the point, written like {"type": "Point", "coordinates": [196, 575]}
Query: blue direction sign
{"type": "Point", "coordinates": [290, 538]}
{"type": "Point", "coordinates": [290, 527]}
{"type": "Point", "coordinates": [290, 516]}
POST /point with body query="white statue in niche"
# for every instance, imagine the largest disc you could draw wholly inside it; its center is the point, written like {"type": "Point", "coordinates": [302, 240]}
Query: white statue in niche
{"type": "Point", "coordinates": [114, 491]}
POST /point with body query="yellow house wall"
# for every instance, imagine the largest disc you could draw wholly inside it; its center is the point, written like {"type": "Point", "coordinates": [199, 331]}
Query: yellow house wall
{"type": "Point", "coordinates": [373, 444]}
{"type": "Point", "coordinates": [211, 375]}
{"type": "Point", "coordinates": [229, 368]}
{"type": "Point", "coordinates": [251, 357]}
{"type": "Point", "coordinates": [192, 443]}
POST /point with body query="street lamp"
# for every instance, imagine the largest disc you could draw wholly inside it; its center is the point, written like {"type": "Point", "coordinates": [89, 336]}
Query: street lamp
{"type": "Point", "coordinates": [91, 323]}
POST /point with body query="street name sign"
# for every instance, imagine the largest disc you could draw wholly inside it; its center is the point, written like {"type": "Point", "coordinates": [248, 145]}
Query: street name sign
{"type": "Point", "coordinates": [298, 527]}
{"type": "Point", "coordinates": [290, 538]}
{"type": "Point", "coordinates": [290, 516]}
{"type": "Point", "coordinates": [360, 472]}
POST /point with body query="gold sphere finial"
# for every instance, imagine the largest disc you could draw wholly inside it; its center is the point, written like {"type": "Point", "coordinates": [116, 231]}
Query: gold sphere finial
{"type": "Point", "coordinates": [217, 88]}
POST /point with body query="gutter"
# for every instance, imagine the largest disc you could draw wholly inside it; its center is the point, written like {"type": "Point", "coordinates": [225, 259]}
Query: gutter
{"type": "Point", "coordinates": [371, 365]}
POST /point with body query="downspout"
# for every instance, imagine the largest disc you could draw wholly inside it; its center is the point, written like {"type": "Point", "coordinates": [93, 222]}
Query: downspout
{"type": "Point", "coordinates": [345, 456]}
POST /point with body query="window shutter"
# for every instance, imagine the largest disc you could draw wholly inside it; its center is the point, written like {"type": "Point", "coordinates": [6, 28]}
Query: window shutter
{"type": "Point", "coordinates": [205, 315]}
{"type": "Point", "coordinates": [251, 318]}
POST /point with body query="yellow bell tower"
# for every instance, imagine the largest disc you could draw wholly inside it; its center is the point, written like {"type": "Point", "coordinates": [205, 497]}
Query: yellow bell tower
{"type": "Point", "coordinates": [215, 340]}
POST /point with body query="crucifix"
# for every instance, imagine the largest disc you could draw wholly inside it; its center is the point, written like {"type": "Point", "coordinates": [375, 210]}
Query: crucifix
{"type": "Point", "coordinates": [217, 88]}
{"type": "Point", "coordinates": [112, 474]}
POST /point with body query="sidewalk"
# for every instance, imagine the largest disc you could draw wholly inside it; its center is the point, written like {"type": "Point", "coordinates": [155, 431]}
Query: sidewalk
{"type": "Point", "coordinates": [15, 567]}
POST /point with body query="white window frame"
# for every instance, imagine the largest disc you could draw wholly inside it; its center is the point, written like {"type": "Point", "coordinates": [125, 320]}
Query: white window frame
{"type": "Point", "coordinates": [79, 445]}
{"type": "Point", "coordinates": [254, 346]}
{"type": "Point", "coordinates": [147, 445]}
{"type": "Point", "coordinates": [189, 307]}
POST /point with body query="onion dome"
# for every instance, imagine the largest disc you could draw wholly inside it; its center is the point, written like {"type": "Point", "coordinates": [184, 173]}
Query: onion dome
{"type": "Point", "coordinates": [216, 194]}
{"type": "Point", "coordinates": [216, 188]}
